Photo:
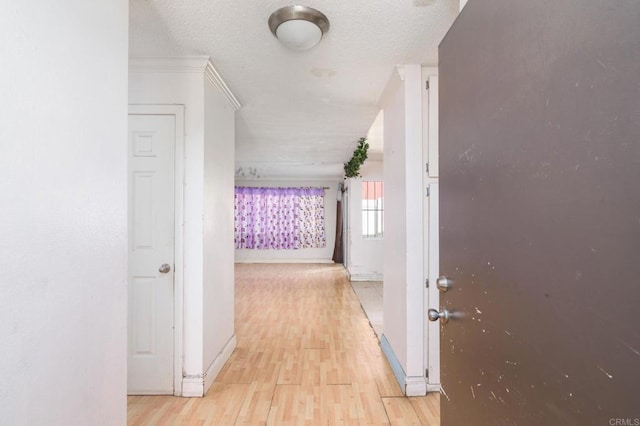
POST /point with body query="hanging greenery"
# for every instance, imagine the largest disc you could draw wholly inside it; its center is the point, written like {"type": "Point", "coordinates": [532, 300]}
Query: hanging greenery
{"type": "Point", "coordinates": [352, 167]}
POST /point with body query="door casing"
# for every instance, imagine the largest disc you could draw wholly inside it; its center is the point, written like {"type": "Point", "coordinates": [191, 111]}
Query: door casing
{"type": "Point", "coordinates": [430, 210]}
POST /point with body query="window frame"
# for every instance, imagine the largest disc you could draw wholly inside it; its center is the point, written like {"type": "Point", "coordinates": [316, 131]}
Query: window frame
{"type": "Point", "coordinates": [372, 207]}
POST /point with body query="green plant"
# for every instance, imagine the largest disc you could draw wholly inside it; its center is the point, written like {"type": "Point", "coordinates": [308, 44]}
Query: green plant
{"type": "Point", "coordinates": [352, 167]}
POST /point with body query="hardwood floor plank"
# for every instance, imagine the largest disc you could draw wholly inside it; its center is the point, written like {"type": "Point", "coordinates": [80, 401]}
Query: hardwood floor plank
{"type": "Point", "coordinates": [256, 406]}
{"type": "Point", "coordinates": [222, 403]}
{"type": "Point", "coordinates": [309, 404]}
{"type": "Point", "coordinates": [291, 369]}
{"type": "Point", "coordinates": [160, 410]}
{"type": "Point", "coordinates": [238, 368]}
{"type": "Point", "coordinates": [369, 404]}
{"type": "Point", "coordinates": [427, 408]}
{"type": "Point", "coordinates": [340, 405]}
{"type": "Point", "coordinates": [400, 412]}
{"type": "Point", "coordinates": [295, 404]}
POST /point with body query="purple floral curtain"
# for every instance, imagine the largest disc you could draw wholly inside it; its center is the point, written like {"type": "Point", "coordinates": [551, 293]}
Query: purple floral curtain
{"type": "Point", "coordinates": [279, 218]}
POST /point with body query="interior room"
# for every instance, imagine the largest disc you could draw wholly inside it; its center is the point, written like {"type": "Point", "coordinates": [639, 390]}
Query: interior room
{"type": "Point", "coordinates": [335, 212]}
{"type": "Point", "coordinates": [309, 141]}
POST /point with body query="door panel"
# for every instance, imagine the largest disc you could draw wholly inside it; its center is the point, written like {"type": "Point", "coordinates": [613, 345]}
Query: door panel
{"type": "Point", "coordinates": [540, 213]}
{"type": "Point", "coordinates": [151, 244]}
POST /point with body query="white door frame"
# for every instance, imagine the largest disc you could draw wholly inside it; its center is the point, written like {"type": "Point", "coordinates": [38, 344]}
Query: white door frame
{"type": "Point", "coordinates": [346, 229]}
{"type": "Point", "coordinates": [178, 270]}
{"type": "Point", "coordinates": [431, 217]}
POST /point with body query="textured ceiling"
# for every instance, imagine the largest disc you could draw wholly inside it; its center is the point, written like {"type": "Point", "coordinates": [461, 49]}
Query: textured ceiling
{"type": "Point", "coordinates": [302, 112]}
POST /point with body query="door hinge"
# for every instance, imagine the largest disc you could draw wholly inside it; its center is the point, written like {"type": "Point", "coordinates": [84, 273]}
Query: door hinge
{"type": "Point", "coordinates": [426, 168]}
{"type": "Point", "coordinates": [427, 85]}
{"type": "Point", "coordinates": [427, 191]}
{"type": "Point", "coordinates": [426, 283]}
{"type": "Point", "coordinates": [426, 373]}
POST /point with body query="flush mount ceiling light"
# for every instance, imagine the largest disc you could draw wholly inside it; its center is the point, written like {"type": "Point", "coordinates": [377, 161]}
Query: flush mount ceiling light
{"type": "Point", "coordinates": [298, 27]}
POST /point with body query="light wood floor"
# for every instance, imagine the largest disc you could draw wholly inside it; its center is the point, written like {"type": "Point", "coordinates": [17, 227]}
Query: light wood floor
{"type": "Point", "coordinates": [306, 355]}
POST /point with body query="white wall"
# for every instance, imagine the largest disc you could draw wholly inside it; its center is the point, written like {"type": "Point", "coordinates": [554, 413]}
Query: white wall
{"type": "Point", "coordinates": [403, 304]}
{"type": "Point", "coordinates": [366, 255]}
{"type": "Point", "coordinates": [63, 243]}
{"type": "Point", "coordinates": [218, 298]}
{"type": "Point", "coordinates": [415, 194]}
{"type": "Point", "coordinates": [395, 288]}
{"type": "Point", "coordinates": [306, 255]}
{"type": "Point", "coordinates": [208, 274]}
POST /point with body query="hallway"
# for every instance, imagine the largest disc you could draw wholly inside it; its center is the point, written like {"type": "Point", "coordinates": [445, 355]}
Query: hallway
{"type": "Point", "coordinates": [306, 354]}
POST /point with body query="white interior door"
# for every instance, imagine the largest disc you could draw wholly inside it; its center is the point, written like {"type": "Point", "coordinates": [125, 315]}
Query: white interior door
{"type": "Point", "coordinates": [151, 254]}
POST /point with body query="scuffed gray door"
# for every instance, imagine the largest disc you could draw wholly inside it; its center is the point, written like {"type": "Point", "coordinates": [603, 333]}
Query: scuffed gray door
{"type": "Point", "coordinates": [540, 213]}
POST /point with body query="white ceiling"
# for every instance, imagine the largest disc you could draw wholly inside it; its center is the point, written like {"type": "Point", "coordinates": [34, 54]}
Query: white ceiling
{"type": "Point", "coordinates": [302, 112]}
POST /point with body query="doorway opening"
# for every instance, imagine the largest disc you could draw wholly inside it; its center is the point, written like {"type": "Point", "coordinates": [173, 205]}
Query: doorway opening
{"type": "Point", "coordinates": [364, 243]}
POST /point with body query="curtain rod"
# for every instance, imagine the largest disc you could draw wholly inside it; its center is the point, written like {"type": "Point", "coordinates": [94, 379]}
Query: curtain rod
{"type": "Point", "coordinates": [319, 187]}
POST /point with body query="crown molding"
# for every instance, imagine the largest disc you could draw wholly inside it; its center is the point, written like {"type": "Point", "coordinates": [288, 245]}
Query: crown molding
{"type": "Point", "coordinates": [186, 64]}
{"type": "Point", "coordinates": [216, 80]}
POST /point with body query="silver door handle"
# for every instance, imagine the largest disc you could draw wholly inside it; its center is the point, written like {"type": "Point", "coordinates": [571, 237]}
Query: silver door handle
{"type": "Point", "coordinates": [443, 283]}
{"type": "Point", "coordinates": [443, 315]}
{"type": "Point", "coordinates": [164, 268]}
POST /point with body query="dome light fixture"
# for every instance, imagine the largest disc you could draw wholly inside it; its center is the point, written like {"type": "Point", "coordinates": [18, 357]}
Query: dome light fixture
{"type": "Point", "coordinates": [298, 27]}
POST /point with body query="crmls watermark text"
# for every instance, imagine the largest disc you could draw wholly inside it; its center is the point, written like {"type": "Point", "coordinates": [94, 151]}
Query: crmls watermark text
{"type": "Point", "coordinates": [624, 422]}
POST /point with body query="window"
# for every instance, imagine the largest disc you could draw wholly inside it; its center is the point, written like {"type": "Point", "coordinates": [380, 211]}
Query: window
{"type": "Point", "coordinates": [372, 209]}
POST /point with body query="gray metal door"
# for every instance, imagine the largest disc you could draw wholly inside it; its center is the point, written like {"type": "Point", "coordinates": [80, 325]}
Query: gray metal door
{"type": "Point", "coordinates": [540, 213]}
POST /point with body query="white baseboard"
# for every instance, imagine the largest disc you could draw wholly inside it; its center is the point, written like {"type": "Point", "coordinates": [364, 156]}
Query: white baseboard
{"type": "Point", "coordinates": [217, 364]}
{"type": "Point", "coordinates": [193, 387]}
{"type": "Point", "coordinates": [433, 387]}
{"type": "Point", "coordinates": [415, 386]}
{"type": "Point", "coordinates": [410, 385]}
{"type": "Point", "coordinates": [365, 277]}
{"type": "Point", "coordinates": [197, 386]}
